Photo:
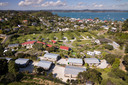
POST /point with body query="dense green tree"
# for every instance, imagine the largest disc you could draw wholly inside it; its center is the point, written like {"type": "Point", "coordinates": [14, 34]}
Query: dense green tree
{"type": "Point", "coordinates": [38, 46]}
{"type": "Point", "coordinates": [125, 25]}
{"type": "Point", "coordinates": [110, 58]}
{"type": "Point", "coordinates": [12, 68]}
{"type": "Point", "coordinates": [90, 75]}
{"type": "Point", "coordinates": [125, 62]}
{"type": "Point", "coordinates": [116, 63]}
{"type": "Point", "coordinates": [109, 47]}
{"type": "Point", "coordinates": [1, 50]}
{"type": "Point", "coordinates": [3, 66]}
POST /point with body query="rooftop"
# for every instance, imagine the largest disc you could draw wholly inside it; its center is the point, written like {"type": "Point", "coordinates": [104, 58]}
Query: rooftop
{"type": "Point", "coordinates": [73, 70]}
{"type": "Point", "coordinates": [29, 42]}
{"type": "Point", "coordinates": [21, 61]}
{"type": "Point", "coordinates": [51, 55]}
{"type": "Point", "coordinates": [91, 60]}
{"type": "Point", "coordinates": [75, 60]}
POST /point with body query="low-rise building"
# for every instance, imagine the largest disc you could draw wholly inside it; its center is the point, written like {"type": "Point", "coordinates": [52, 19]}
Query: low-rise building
{"type": "Point", "coordinates": [28, 44]}
{"type": "Point", "coordinates": [64, 48]}
{"type": "Point", "coordinates": [75, 61]}
{"type": "Point", "coordinates": [72, 71]}
{"type": "Point", "coordinates": [92, 61]}
{"type": "Point", "coordinates": [8, 59]}
{"type": "Point", "coordinates": [44, 64]}
{"type": "Point", "coordinates": [22, 62]}
{"type": "Point", "coordinates": [51, 57]}
{"type": "Point", "coordinates": [13, 45]}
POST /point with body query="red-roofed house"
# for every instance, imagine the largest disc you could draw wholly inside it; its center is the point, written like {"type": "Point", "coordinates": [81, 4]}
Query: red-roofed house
{"type": "Point", "coordinates": [25, 21]}
{"type": "Point", "coordinates": [28, 44]}
{"type": "Point", "coordinates": [64, 48]}
{"type": "Point", "coordinates": [53, 41]}
{"type": "Point", "coordinates": [90, 19]}
{"type": "Point", "coordinates": [80, 21]}
{"type": "Point", "coordinates": [41, 42]}
{"type": "Point", "coordinates": [49, 45]}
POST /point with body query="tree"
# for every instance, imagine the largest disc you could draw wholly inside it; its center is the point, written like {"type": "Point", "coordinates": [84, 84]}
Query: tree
{"type": "Point", "coordinates": [116, 63]}
{"type": "Point", "coordinates": [125, 62]}
{"type": "Point", "coordinates": [1, 50]}
{"type": "Point", "coordinates": [109, 47]}
{"type": "Point", "coordinates": [90, 75]}
{"type": "Point", "coordinates": [3, 66]}
{"type": "Point", "coordinates": [125, 26]}
{"type": "Point", "coordinates": [126, 49]}
{"type": "Point", "coordinates": [38, 46]}
{"type": "Point", "coordinates": [12, 68]}
{"type": "Point", "coordinates": [110, 58]}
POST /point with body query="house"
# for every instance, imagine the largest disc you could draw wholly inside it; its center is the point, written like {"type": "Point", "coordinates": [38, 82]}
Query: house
{"type": "Point", "coordinates": [114, 44]}
{"type": "Point", "coordinates": [75, 61]}
{"type": "Point", "coordinates": [97, 41]}
{"type": "Point", "coordinates": [41, 42]}
{"type": "Point", "coordinates": [113, 29]}
{"type": "Point", "coordinates": [22, 62]}
{"type": "Point", "coordinates": [49, 45]}
{"type": "Point", "coordinates": [97, 52]}
{"type": "Point", "coordinates": [53, 41]}
{"type": "Point", "coordinates": [90, 53]}
{"type": "Point", "coordinates": [34, 23]}
{"type": "Point", "coordinates": [89, 83]}
{"type": "Point", "coordinates": [44, 64]}
{"type": "Point", "coordinates": [92, 61]}
{"type": "Point", "coordinates": [64, 48]}
{"type": "Point", "coordinates": [25, 21]}
{"type": "Point", "coordinates": [8, 59]}
{"type": "Point", "coordinates": [13, 45]}
{"type": "Point", "coordinates": [28, 44]}
{"type": "Point", "coordinates": [72, 71]}
{"type": "Point", "coordinates": [51, 57]}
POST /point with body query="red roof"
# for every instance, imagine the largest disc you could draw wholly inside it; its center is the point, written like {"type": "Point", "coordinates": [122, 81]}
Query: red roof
{"type": "Point", "coordinates": [64, 48]}
{"type": "Point", "coordinates": [29, 42]}
{"type": "Point", "coordinates": [53, 41]}
{"type": "Point", "coordinates": [40, 42]}
{"type": "Point", "coordinates": [90, 19]}
{"type": "Point", "coordinates": [49, 45]}
{"type": "Point", "coordinates": [105, 21]}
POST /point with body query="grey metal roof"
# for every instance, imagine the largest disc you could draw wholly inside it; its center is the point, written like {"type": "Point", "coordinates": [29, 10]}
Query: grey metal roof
{"type": "Point", "coordinates": [73, 70]}
{"type": "Point", "coordinates": [13, 45]}
{"type": "Point", "coordinates": [75, 60]}
{"type": "Point", "coordinates": [91, 60]}
{"type": "Point", "coordinates": [21, 61]}
{"type": "Point", "coordinates": [51, 55]}
{"type": "Point", "coordinates": [8, 59]}
{"type": "Point", "coordinates": [44, 64]}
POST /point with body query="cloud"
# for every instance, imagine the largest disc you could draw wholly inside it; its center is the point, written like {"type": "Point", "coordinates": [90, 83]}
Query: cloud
{"type": "Point", "coordinates": [3, 3]}
{"type": "Point", "coordinates": [97, 5]}
{"type": "Point", "coordinates": [29, 2]}
{"type": "Point", "coordinates": [53, 4]}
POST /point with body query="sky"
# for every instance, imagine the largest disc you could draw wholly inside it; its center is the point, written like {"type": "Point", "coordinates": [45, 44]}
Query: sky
{"type": "Point", "coordinates": [63, 4]}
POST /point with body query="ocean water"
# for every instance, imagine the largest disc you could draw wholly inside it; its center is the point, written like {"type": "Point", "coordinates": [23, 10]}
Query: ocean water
{"type": "Point", "coordinates": [120, 16]}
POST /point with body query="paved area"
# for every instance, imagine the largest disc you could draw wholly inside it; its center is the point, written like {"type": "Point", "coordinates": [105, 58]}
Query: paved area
{"type": "Point", "coordinates": [103, 64]}
{"type": "Point", "coordinates": [58, 72]}
{"type": "Point", "coordinates": [62, 61]}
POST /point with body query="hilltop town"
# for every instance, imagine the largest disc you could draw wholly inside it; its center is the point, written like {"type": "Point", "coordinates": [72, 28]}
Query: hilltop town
{"type": "Point", "coordinates": [39, 48]}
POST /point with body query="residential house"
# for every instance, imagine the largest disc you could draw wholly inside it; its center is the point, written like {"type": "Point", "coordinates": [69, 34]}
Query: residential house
{"type": "Point", "coordinates": [92, 61]}
{"type": "Point", "coordinates": [28, 44]}
{"type": "Point", "coordinates": [13, 45]}
{"type": "Point", "coordinates": [72, 71]}
{"type": "Point", "coordinates": [44, 64]}
{"type": "Point", "coordinates": [34, 23]}
{"type": "Point", "coordinates": [97, 52]}
{"type": "Point", "coordinates": [25, 21]}
{"type": "Point", "coordinates": [90, 53]}
{"type": "Point", "coordinates": [8, 59]}
{"type": "Point", "coordinates": [53, 41]}
{"type": "Point", "coordinates": [22, 62]}
{"type": "Point", "coordinates": [75, 61]}
{"type": "Point", "coordinates": [51, 57]}
{"type": "Point", "coordinates": [97, 41]}
{"type": "Point", "coordinates": [64, 48]}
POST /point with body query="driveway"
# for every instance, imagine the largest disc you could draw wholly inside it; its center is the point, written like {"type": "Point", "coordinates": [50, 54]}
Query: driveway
{"type": "Point", "coordinates": [103, 64]}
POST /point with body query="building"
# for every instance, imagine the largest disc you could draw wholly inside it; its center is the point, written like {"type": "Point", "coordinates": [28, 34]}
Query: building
{"type": "Point", "coordinates": [22, 62]}
{"type": "Point", "coordinates": [64, 48]}
{"type": "Point", "coordinates": [97, 52]}
{"type": "Point", "coordinates": [89, 83]}
{"type": "Point", "coordinates": [75, 61]}
{"type": "Point", "coordinates": [92, 61]}
{"type": "Point", "coordinates": [41, 42]}
{"type": "Point", "coordinates": [90, 53]}
{"type": "Point", "coordinates": [53, 41]}
{"type": "Point", "coordinates": [51, 57]}
{"type": "Point", "coordinates": [28, 44]}
{"type": "Point", "coordinates": [44, 64]}
{"type": "Point", "coordinates": [8, 59]}
{"type": "Point", "coordinates": [13, 45]}
{"type": "Point", "coordinates": [72, 71]}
